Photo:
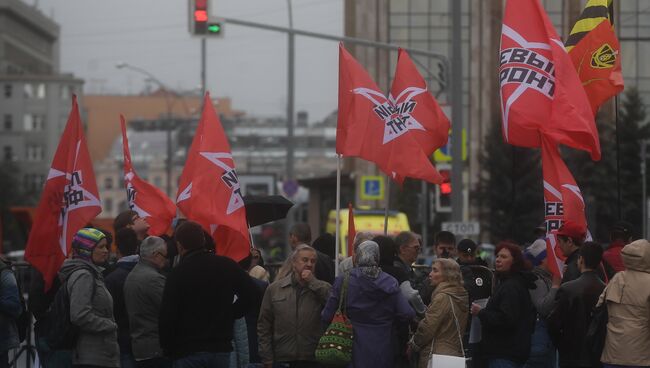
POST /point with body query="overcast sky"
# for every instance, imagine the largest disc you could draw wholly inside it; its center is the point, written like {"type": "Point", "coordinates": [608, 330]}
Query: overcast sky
{"type": "Point", "coordinates": [247, 64]}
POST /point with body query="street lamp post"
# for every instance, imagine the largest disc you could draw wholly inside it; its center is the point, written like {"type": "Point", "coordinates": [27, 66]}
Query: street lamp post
{"type": "Point", "coordinates": [644, 205]}
{"type": "Point", "coordinates": [168, 125]}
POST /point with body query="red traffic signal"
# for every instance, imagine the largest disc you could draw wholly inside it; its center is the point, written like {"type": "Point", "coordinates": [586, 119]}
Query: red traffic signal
{"type": "Point", "coordinates": [445, 187]}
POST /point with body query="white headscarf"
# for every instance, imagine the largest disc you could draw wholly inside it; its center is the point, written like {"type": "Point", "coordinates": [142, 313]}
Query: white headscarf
{"type": "Point", "coordinates": [367, 258]}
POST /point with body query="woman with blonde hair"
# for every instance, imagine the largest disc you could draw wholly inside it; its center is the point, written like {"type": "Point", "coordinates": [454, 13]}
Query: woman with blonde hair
{"type": "Point", "coordinates": [440, 332]}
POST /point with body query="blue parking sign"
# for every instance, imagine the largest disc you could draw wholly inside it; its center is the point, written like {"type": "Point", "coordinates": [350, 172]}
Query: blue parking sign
{"type": "Point", "coordinates": [372, 188]}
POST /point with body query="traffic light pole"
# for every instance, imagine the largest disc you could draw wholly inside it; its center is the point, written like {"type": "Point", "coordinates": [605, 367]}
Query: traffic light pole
{"type": "Point", "coordinates": [291, 71]}
{"type": "Point", "coordinates": [357, 41]}
{"type": "Point", "coordinates": [291, 33]}
{"type": "Point", "coordinates": [456, 114]}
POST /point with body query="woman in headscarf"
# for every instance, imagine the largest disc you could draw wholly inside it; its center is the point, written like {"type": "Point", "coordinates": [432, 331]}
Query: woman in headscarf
{"type": "Point", "coordinates": [372, 304]}
{"type": "Point", "coordinates": [91, 305]}
{"type": "Point", "coordinates": [441, 330]}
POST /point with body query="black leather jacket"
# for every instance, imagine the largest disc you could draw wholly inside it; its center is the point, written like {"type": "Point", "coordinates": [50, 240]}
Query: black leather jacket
{"type": "Point", "coordinates": [568, 322]}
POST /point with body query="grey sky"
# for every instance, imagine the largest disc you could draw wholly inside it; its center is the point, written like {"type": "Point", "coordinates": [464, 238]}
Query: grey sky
{"type": "Point", "coordinates": [248, 65]}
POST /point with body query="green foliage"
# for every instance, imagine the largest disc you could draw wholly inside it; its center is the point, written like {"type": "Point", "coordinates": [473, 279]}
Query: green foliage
{"type": "Point", "coordinates": [511, 191]}
{"type": "Point", "coordinates": [598, 180]}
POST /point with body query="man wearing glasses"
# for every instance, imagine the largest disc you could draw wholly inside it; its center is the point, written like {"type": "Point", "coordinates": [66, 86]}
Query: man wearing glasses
{"type": "Point", "coordinates": [131, 219]}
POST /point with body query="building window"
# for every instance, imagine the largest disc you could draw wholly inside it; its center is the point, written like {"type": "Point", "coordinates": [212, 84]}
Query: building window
{"type": "Point", "coordinates": [65, 92]}
{"type": "Point", "coordinates": [33, 182]}
{"type": "Point", "coordinates": [8, 122]}
{"type": "Point", "coordinates": [8, 153]}
{"type": "Point", "coordinates": [28, 122]}
{"type": "Point", "coordinates": [28, 90]}
{"type": "Point", "coordinates": [108, 182]}
{"type": "Point", "coordinates": [9, 89]}
{"type": "Point", "coordinates": [34, 122]}
{"type": "Point", "coordinates": [108, 205]}
{"type": "Point", "coordinates": [39, 122]}
{"type": "Point", "coordinates": [34, 153]}
{"type": "Point", "coordinates": [40, 91]}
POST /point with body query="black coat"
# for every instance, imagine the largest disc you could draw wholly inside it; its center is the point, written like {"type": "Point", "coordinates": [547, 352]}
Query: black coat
{"type": "Point", "coordinates": [508, 320]}
{"type": "Point", "coordinates": [115, 285]}
{"type": "Point", "coordinates": [569, 321]}
{"type": "Point", "coordinates": [197, 310]}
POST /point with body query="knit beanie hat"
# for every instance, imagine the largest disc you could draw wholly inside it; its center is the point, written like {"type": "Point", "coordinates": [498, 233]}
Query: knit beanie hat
{"type": "Point", "coordinates": [84, 242]}
{"type": "Point", "coordinates": [536, 252]}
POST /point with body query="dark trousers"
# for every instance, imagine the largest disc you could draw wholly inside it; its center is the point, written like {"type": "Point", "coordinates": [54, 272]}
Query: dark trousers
{"type": "Point", "coordinates": [203, 360]}
{"type": "Point", "coordinates": [154, 363]}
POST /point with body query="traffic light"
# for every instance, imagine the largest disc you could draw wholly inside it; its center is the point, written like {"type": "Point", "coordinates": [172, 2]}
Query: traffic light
{"type": "Point", "coordinates": [200, 22]}
{"type": "Point", "coordinates": [443, 191]}
{"type": "Point", "coordinates": [214, 28]}
{"type": "Point", "coordinates": [199, 17]}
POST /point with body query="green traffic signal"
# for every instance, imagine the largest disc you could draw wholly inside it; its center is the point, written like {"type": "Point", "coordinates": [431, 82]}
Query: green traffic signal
{"type": "Point", "coordinates": [214, 28]}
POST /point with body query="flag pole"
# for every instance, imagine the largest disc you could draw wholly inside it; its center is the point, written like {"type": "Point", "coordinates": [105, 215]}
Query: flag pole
{"type": "Point", "coordinates": [387, 204]}
{"type": "Point", "coordinates": [337, 242]}
{"type": "Point", "coordinates": [618, 158]}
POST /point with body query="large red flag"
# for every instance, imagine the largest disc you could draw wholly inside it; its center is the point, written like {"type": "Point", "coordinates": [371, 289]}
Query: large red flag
{"type": "Point", "coordinates": [209, 191]}
{"type": "Point", "coordinates": [540, 89]}
{"type": "Point", "coordinates": [352, 232]}
{"type": "Point", "coordinates": [595, 53]}
{"type": "Point", "coordinates": [369, 126]}
{"type": "Point", "coordinates": [69, 201]}
{"type": "Point", "coordinates": [562, 200]}
{"type": "Point", "coordinates": [410, 96]}
{"type": "Point", "coordinates": [148, 201]}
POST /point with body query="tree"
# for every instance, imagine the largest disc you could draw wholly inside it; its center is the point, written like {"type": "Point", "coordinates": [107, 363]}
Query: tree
{"type": "Point", "coordinates": [511, 192]}
{"type": "Point", "coordinates": [598, 180]}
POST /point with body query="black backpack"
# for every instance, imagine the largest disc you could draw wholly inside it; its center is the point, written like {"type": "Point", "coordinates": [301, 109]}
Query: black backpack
{"type": "Point", "coordinates": [60, 333]}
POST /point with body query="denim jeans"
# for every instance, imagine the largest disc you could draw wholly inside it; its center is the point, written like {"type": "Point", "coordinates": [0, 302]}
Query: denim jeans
{"type": "Point", "coordinates": [503, 363]}
{"type": "Point", "coordinates": [542, 350]}
{"type": "Point", "coordinates": [203, 360]}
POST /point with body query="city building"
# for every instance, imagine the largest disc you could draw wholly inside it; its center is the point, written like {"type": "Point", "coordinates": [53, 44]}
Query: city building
{"type": "Point", "coordinates": [35, 99]}
{"type": "Point", "coordinates": [258, 146]}
{"type": "Point", "coordinates": [426, 25]}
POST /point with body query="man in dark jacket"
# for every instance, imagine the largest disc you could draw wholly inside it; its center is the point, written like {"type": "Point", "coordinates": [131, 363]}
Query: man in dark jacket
{"type": "Point", "coordinates": [203, 295]}
{"type": "Point", "coordinates": [574, 301]}
{"type": "Point", "coordinates": [570, 237]}
{"type": "Point", "coordinates": [127, 243]}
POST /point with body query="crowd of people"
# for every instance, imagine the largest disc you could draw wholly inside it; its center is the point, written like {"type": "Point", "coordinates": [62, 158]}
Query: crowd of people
{"type": "Point", "coordinates": [172, 302]}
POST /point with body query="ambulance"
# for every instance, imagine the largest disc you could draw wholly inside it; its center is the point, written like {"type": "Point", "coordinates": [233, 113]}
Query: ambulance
{"type": "Point", "coordinates": [366, 220]}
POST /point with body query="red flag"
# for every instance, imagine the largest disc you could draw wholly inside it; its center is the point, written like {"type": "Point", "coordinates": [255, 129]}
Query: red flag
{"type": "Point", "coordinates": [69, 201]}
{"type": "Point", "coordinates": [148, 201]}
{"type": "Point", "coordinates": [424, 118]}
{"type": "Point", "coordinates": [597, 60]}
{"type": "Point", "coordinates": [209, 191]}
{"type": "Point", "coordinates": [540, 89]}
{"type": "Point", "coordinates": [351, 230]}
{"type": "Point", "coordinates": [370, 127]}
{"type": "Point", "coordinates": [562, 200]}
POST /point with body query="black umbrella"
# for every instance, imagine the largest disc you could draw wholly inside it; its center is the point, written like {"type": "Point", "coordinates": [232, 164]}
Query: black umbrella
{"type": "Point", "coordinates": [263, 209]}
